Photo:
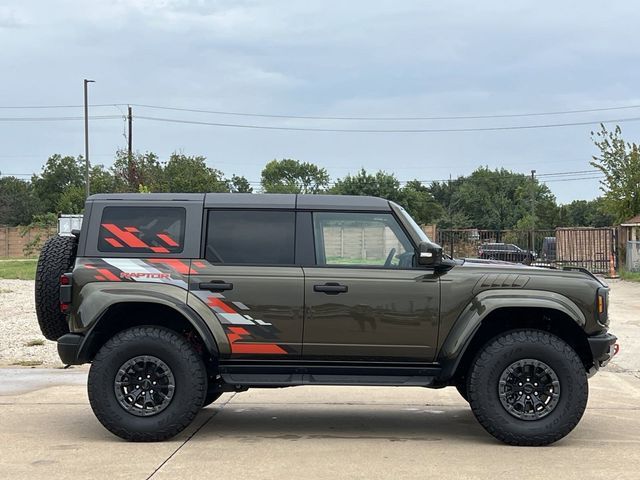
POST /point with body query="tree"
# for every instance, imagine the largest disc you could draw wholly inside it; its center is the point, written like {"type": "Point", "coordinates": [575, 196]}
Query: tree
{"type": "Point", "coordinates": [619, 162]}
{"type": "Point", "coordinates": [239, 184]}
{"type": "Point", "coordinates": [58, 175]}
{"type": "Point", "coordinates": [499, 199]}
{"type": "Point", "coordinates": [418, 201]}
{"type": "Point", "coordinates": [17, 201]}
{"type": "Point", "coordinates": [141, 169]}
{"type": "Point", "coordinates": [190, 174]}
{"type": "Point", "coordinates": [380, 184]}
{"type": "Point", "coordinates": [293, 176]}
{"type": "Point", "coordinates": [585, 213]}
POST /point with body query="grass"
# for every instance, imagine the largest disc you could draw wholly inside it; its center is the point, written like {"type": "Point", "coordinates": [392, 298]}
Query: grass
{"type": "Point", "coordinates": [34, 343]}
{"type": "Point", "coordinates": [18, 269]}
{"type": "Point", "coordinates": [630, 276]}
{"type": "Point", "coordinates": [28, 363]}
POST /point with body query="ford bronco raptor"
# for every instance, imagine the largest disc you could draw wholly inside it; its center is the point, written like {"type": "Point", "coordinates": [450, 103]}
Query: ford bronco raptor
{"type": "Point", "coordinates": [177, 298]}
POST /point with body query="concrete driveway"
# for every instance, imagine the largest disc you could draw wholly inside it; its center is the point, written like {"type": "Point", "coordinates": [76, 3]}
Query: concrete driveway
{"type": "Point", "coordinates": [48, 431]}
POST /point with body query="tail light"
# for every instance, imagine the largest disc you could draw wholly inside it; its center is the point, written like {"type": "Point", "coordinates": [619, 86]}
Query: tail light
{"type": "Point", "coordinates": [65, 292]}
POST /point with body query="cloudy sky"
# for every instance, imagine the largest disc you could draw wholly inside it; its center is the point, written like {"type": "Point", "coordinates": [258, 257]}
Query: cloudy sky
{"type": "Point", "coordinates": [409, 58]}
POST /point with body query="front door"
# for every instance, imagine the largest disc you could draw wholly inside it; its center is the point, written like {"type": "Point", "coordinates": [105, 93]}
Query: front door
{"type": "Point", "coordinates": [364, 299]}
{"type": "Point", "coordinates": [250, 281]}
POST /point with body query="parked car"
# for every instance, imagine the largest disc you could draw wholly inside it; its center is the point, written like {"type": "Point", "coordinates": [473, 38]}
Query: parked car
{"type": "Point", "coordinates": [176, 298]}
{"type": "Point", "coordinates": [549, 249]}
{"type": "Point", "coordinates": [507, 252]}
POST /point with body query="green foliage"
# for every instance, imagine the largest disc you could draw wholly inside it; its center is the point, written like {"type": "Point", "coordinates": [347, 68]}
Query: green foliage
{"type": "Point", "coordinates": [39, 222]}
{"type": "Point", "coordinates": [140, 169]}
{"type": "Point", "coordinates": [380, 184]}
{"type": "Point", "coordinates": [619, 161]}
{"type": "Point", "coordinates": [239, 184]}
{"type": "Point", "coordinates": [292, 176]}
{"type": "Point", "coordinates": [184, 173]}
{"type": "Point", "coordinates": [58, 175]}
{"type": "Point", "coordinates": [17, 201]}
{"type": "Point", "coordinates": [585, 213]}
{"type": "Point", "coordinates": [498, 199]}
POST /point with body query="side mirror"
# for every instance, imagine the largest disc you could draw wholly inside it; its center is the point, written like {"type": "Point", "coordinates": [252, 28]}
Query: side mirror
{"type": "Point", "coordinates": [429, 254]}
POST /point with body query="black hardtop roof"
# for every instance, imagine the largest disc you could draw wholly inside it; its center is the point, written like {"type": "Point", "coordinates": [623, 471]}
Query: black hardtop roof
{"type": "Point", "coordinates": [257, 200]}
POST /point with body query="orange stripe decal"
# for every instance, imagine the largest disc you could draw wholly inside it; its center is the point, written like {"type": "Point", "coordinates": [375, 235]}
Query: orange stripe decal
{"type": "Point", "coordinates": [127, 237]}
{"type": "Point", "coordinates": [167, 239]}
{"type": "Point", "coordinates": [108, 275]}
{"type": "Point", "coordinates": [113, 242]}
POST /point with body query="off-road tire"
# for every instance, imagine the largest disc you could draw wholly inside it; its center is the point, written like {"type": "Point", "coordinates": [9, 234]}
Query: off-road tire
{"type": "Point", "coordinates": [186, 366]}
{"type": "Point", "coordinates": [56, 257]}
{"type": "Point", "coordinates": [502, 351]}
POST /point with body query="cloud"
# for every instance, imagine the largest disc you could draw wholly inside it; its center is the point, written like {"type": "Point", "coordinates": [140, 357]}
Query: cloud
{"type": "Point", "coordinates": [11, 18]}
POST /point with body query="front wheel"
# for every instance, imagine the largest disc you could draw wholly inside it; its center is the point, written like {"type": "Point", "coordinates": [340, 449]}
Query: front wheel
{"type": "Point", "coordinates": [147, 384]}
{"type": "Point", "coordinates": [528, 387]}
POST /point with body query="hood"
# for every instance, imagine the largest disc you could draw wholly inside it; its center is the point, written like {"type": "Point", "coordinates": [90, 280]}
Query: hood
{"type": "Point", "coordinates": [510, 266]}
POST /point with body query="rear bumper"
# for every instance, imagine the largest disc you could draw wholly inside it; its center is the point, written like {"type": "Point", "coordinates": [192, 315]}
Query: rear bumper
{"type": "Point", "coordinates": [603, 348]}
{"type": "Point", "coordinates": [69, 348]}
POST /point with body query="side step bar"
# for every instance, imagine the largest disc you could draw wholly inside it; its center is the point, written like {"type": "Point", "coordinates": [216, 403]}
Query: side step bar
{"type": "Point", "coordinates": [290, 375]}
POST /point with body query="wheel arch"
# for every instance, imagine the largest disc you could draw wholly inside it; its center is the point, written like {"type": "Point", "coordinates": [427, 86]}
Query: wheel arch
{"type": "Point", "coordinates": [124, 314]}
{"type": "Point", "coordinates": [483, 320]}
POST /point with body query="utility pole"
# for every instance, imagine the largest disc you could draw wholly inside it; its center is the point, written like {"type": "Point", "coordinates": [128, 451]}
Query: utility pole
{"type": "Point", "coordinates": [129, 141]}
{"type": "Point", "coordinates": [533, 211]}
{"type": "Point", "coordinates": [533, 198]}
{"type": "Point", "coordinates": [86, 137]}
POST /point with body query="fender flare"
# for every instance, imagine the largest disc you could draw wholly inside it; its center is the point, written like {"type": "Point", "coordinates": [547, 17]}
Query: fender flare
{"type": "Point", "coordinates": [482, 305]}
{"type": "Point", "coordinates": [98, 297]}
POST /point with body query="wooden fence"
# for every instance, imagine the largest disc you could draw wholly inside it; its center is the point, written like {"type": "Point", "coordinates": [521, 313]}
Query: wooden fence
{"type": "Point", "coordinates": [14, 240]}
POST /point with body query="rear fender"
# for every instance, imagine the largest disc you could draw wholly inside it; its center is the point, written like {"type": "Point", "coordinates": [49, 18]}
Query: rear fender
{"type": "Point", "coordinates": [97, 297]}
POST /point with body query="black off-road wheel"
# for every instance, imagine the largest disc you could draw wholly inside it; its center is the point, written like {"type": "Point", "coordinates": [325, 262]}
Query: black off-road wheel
{"type": "Point", "coordinates": [528, 388]}
{"type": "Point", "coordinates": [56, 257]}
{"type": "Point", "coordinates": [147, 384]}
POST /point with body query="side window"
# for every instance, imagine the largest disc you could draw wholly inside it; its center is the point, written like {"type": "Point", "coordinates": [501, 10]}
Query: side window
{"type": "Point", "coordinates": [251, 237]}
{"type": "Point", "coordinates": [361, 239]}
{"type": "Point", "coordinates": [142, 230]}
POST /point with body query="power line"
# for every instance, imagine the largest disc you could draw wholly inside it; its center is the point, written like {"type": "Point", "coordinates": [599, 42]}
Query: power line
{"type": "Point", "coordinates": [363, 130]}
{"type": "Point", "coordinates": [44, 107]}
{"type": "Point", "coordinates": [56, 119]}
{"type": "Point", "coordinates": [579, 172]}
{"type": "Point", "coordinates": [347, 117]}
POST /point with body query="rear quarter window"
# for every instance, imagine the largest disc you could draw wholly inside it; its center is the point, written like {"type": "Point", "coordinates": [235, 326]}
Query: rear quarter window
{"type": "Point", "coordinates": [142, 230]}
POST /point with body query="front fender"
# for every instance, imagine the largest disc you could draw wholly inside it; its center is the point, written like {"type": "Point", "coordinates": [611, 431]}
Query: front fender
{"type": "Point", "coordinates": [488, 301]}
{"type": "Point", "coordinates": [97, 297]}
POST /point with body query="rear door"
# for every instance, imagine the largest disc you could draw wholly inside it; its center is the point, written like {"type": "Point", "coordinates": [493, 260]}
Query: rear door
{"type": "Point", "coordinates": [365, 299]}
{"type": "Point", "coordinates": [248, 277]}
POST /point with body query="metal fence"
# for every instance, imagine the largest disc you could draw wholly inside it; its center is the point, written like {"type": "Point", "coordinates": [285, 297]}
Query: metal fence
{"type": "Point", "coordinates": [633, 256]}
{"type": "Point", "coordinates": [591, 248]}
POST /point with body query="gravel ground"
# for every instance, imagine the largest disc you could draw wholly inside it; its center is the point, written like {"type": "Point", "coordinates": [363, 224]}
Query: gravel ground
{"type": "Point", "coordinates": [20, 327]}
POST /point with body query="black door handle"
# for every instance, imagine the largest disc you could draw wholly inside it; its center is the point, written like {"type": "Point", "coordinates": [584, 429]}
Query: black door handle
{"type": "Point", "coordinates": [216, 286]}
{"type": "Point", "coordinates": [331, 288]}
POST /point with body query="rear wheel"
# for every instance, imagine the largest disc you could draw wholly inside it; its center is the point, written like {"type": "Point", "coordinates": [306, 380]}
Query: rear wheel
{"type": "Point", "coordinates": [56, 257]}
{"type": "Point", "coordinates": [147, 384]}
{"type": "Point", "coordinates": [528, 387]}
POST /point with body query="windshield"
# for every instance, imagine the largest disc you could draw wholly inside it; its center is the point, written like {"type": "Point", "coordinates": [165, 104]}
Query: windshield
{"type": "Point", "coordinates": [414, 225]}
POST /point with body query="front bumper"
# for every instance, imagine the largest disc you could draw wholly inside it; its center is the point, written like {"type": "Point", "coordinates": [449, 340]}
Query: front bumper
{"type": "Point", "coordinates": [603, 348]}
{"type": "Point", "coordinates": [69, 346]}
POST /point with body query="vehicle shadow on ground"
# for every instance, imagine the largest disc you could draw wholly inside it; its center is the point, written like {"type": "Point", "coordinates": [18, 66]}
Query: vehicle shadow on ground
{"type": "Point", "coordinates": [251, 423]}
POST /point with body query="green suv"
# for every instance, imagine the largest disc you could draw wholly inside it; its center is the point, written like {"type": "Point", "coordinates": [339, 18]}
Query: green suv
{"type": "Point", "coordinates": [177, 298]}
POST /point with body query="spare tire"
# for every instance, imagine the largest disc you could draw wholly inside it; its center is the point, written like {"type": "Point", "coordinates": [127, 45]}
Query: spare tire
{"type": "Point", "coordinates": [56, 257]}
